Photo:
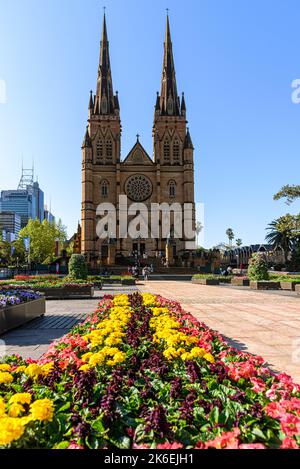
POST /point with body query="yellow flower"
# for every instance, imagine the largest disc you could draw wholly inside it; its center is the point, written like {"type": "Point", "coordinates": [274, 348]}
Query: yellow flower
{"type": "Point", "coordinates": [5, 367]}
{"type": "Point", "coordinates": [5, 377]}
{"type": "Point", "coordinates": [15, 410]}
{"type": "Point", "coordinates": [47, 368]}
{"type": "Point", "coordinates": [96, 359]}
{"type": "Point", "coordinates": [197, 352]}
{"type": "Point", "coordinates": [11, 429]}
{"type": "Point", "coordinates": [85, 367]}
{"type": "Point", "coordinates": [2, 407]}
{"type": "Point", "coordinates": [111, 340]}
{"type": "Point", "coordinates": [20, 398]}
{"type": "Point", "coordinates": [33, 370]}
{"type": "Point", "coordinates": [20, 369]}
{"type": "Point", "coordinates": [186, 356]}
{"type": "Point", "coordinates": [209, 357]}
{"type": "Point", "coordinates": [42, 409]}
{"type": "Point", "coordinates": [85, 357]}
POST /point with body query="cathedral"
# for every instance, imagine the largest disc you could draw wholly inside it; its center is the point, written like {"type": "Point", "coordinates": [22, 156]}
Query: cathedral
{"type": "Point", "coordinates": [166, 177]}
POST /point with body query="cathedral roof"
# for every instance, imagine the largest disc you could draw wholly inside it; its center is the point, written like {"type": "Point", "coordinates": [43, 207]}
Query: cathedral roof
{"type": "Point", "coordinates": [138, 156]}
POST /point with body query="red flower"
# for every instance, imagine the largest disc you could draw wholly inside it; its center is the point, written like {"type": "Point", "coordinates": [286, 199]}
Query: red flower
{"type": "Point", "coordinates": [289, 443]}
{"type": "Point", "coordinates": [290, 424]}
{"type": "Point", "coordinates": [169, 445]}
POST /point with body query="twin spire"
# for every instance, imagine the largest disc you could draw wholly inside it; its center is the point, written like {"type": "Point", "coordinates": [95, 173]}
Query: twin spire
{"type": "Point", "coordinates": [106, 103]}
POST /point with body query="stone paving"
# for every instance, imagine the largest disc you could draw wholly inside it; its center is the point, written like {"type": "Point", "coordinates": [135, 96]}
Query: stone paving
{"type": "Point", "coordinates": [33, 339]}
{"type": "Point", "coordinates": [263, 323]}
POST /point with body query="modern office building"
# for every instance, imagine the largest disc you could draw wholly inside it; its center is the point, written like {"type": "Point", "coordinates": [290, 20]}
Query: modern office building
{"type": "Point", "coordinates": [48, 215]}
{"type": "Point", "coordinates": [27, 201]}
{"type": "Point", "coordinates": [10, 222]}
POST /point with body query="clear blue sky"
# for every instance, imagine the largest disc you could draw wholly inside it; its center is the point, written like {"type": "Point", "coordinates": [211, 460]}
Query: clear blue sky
{"type": "Point", "coordinates": [235, 61]}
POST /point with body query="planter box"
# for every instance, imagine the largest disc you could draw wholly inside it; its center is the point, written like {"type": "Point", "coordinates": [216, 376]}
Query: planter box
{"type": "Point", "coordinates": [297, 288]}
{"type": "Point", "coordinates": [240, 282]}
{"type": "Point", "coordinates": [288, 285]}
{"type": "Point", "coordinates": [264, 285]}
{"type": "Point", "coordinates": [129, 281]}
{"type": "Point", "coordinates": [205, 281]}
{"type": "Point", "coordinates": [14, 316]}
{"type": "Point", "coordinates": [67, 292]}
{"type": "Point", "coordinates": [98, 284]}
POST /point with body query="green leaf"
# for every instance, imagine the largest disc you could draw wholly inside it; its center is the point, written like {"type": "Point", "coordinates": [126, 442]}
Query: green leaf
{"type": "Point", "coordinates": [122, 442]}
{"type": "Point", "coordinates": [61, 445]}
{"type": "Point", "coordinates": [66, 406]}
{"type": "Point", "coordinates": [257, 432]}
{"type": "Point", "coordinates": [214, 415]}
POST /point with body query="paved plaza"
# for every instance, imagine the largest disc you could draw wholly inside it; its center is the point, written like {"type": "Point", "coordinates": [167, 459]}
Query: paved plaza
{"type": "Point", "coordinates": [263, 323]}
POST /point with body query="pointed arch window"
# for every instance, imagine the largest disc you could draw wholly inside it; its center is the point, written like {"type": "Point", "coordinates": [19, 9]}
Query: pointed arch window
{"type": "Point", "coordinates": [99, 151]}
{"type": "Point", "coordinates": [166, 151]}
{"type": "Point", "coordinates": [104, 189]}
{"type": "Point", "coordinates": [172, 188]}
{"type": "Point", "coordinates": [109, 152]}
{"type": "Point", "coordinates": [176, 151]}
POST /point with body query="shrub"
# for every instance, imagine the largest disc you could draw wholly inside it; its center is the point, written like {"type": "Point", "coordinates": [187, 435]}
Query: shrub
{"type": "Point", "coordinates": [258, 268]}
{"type": "Point", "coordinates": [77, 267]}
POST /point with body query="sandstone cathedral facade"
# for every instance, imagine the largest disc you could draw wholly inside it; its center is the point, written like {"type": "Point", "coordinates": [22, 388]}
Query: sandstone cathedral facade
{"type": "Point", "coordinates": [167, 176]}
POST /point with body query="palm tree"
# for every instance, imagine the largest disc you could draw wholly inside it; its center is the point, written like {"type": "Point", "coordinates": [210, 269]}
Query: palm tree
{"type": "Point", "coordinates": [280, 238]}
{"type": "Point", "coordinates": [230, 235]}
{"type": "Point", "coordinates": [239, 242]}
{"type": "Point", "coordinates": [198, 229]}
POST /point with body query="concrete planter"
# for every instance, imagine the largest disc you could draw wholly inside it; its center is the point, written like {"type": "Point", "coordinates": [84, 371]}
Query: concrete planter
{"type": "Point", "coordinates": [264, 285]}
{"type": "Point", "coordinates": [297, 288]}
{"type": "Point", "coordinates": [67, 292]}
{"type": "Point", "coordinates": [14, 316]}
{"type": "Point", "coordinates": [205, 281]}
{"type": "Point", "coordinates": [288, 285]}
{"type": "Point", "coordinates": [240, 282]}
{"type": "Point", "coordinates": [128, 281]}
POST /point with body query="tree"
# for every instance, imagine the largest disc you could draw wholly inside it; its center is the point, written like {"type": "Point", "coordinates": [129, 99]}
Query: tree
{"type": "Point", "coordinates": [5, 251]}
{"type": "Point", "coordinates": [42, 238]}
{"type": "Point", "coordinates": [18, 252]}
{"type": "Point", "coordinates": [258, 268]}
{"type": "Point", "coordinates": [284, 233]}
{"type": "Point", "coordinates": [230, 235]}
{"type": "Point", "coordinates": [290, 193]}
{"type": "Point", "coordinates": [77, 267]}
{"type": "Point", "coordinates": [198, 229]}
{"type": "Point", "coordinates": [239, 242]}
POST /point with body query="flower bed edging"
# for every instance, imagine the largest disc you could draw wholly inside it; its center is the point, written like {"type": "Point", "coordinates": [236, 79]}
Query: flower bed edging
{"type": "Point", "coordinates": [14, 316]}
{"type": "Point", "coordinates": [288, 285]}
{"type": "Point", "coordinates": [67, 292]}
{"type": "Point", "coordinates": [241, 282]}
{"type": "Point", "coordinates": [264, 285]}
{"type": "Point", "coordinates": [205, 281]}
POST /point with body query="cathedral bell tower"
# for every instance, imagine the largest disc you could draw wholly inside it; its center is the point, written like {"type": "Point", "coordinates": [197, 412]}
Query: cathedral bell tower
{"type": "Point", "coordinates": [173, 147]}
{"type": "Point", "coordinates": [100, 152]}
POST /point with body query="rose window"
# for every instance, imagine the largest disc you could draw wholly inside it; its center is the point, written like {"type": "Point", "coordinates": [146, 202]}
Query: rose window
{"type": "Point", "coordinates": [138, 188]}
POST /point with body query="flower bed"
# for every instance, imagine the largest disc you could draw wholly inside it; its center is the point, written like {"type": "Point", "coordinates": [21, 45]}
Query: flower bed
{"type": "Point", "coordinates": [138, 373]}
{"type": "Point", "coordinates": [18, 307]}
{"type": "Point", "coordinates": [12, 297]}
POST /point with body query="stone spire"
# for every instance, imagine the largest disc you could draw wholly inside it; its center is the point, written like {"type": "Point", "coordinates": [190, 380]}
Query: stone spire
{"type": "Point", "coordinates": [105, 99]}
{"type": "Point", "coordinates": [168, 94]}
